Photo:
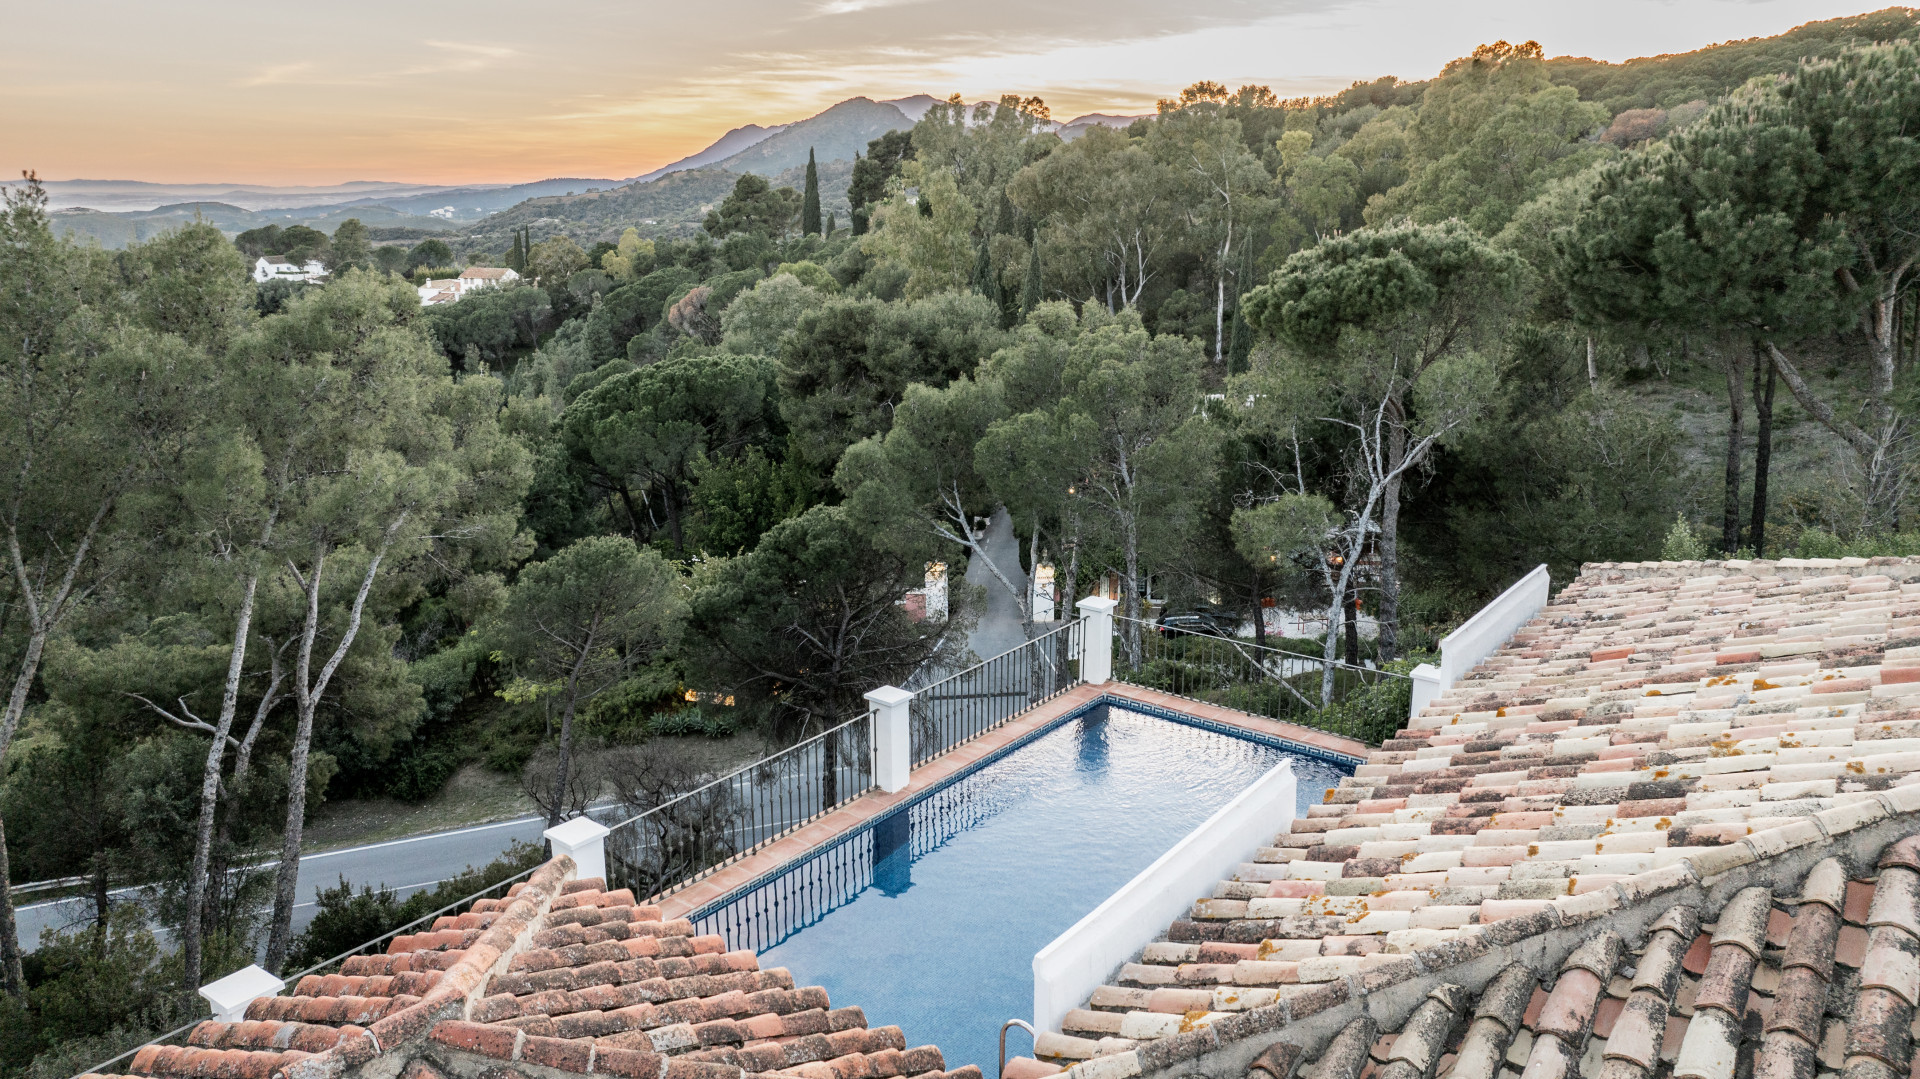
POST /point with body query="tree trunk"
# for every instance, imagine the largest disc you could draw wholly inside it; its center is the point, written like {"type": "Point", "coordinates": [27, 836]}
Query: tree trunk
{"type": "Point", "coordinates": [1330, 647]}
{"type": "Point", "coordinates": [13, 978]}
{"type": "Point", "coordinates": [1762, 457]}
{"type": "Point", "coordinates": [286, 881]}
{"type": "Point", "coordinates": [1390, 540]}
{"type": "Point", "coordinates": [1351, 616]}
{"type": "Point", "coordinates": [668, 495]}
{"type": "Point", "coordinates": [633, 512]}
{"type": "Point", "coordinates": [1220, 312]}
{"type": "Point", "coordinates": [1132, 634]}
{"type": "Point", "coordinates": [829, 768]}
{"type": "Point", "coordinates": [1593, 369]}
{"type": "Point", "coordinates": [102, 903]}
{"type": "Point", "coordinates": [1730, 512]}
{"type": "Point", "coordinates": [308, 694]}
{"type": "Point", "coordinates": [194, 923]}
{"type": "Point", "coordinates": [1033, 575]}
{"type": "Point", "coordinates": [1259, 611]}
{"type": "Point", "coordinates": [566, 736]}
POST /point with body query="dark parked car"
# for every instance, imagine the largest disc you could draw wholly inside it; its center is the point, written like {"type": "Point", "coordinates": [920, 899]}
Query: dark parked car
{"type": "Point", "coordinates": [1206, 623]}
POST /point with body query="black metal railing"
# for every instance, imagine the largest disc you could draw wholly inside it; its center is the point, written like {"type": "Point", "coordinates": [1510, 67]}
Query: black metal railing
{"type": "Point", "coordinates": [666, 847]}
{"type": "Point", "coordinates": [967, 704]}
{"type": "Point", "coordinates": [881, 854]}
{"type": "Point", "coordinates": [1363, 703]}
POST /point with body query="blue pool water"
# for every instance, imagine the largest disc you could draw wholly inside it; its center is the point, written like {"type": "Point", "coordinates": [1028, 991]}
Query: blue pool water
{"type": "Point", "coordinates": [929, 919]}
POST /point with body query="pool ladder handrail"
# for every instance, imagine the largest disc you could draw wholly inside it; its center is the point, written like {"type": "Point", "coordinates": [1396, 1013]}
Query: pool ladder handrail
{"type": "Point", "coordinates": [1023, 1025]}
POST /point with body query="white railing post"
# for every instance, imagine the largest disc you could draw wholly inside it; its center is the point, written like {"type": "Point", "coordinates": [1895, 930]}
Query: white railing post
{"type": "Point", "coordinates": [1096, 639]}
{"type": "Point", "coordinates": [585, 841]}
{"type": "Point", "coordinates": [1426, 686]}
{"type": "Point", "coordinates": [892, 738]}
{"type": "Point", "coordinates": [231, 994]}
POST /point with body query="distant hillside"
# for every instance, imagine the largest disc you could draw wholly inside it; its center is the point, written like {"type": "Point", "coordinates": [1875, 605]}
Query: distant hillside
{"type": "Point", "coordinates": [469, 203]}
{"type": "Point", "coordinates": [834, 135]}
{"type": "Point", "coordinates": [1078, 126]}
{"type": "Point", "coordinates": [1666, 81]}
{"type": "Point", "coordinates": [116, 196]}
{"type": "Point", "coordinates": [726, 146]}
{"type": "Point", "coordinates": [913, 107]}
{"type": "Point", "coordinates": [117, 230]}
{"type": "Point", "coordinates": [673, 205]}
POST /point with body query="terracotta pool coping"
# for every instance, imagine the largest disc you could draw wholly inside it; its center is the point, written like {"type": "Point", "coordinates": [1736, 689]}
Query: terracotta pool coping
{"type": "Point", "coordinates": [851, 816]}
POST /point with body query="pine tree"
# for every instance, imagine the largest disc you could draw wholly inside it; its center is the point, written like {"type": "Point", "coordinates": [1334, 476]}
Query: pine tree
{"type": "Point", "coordinates": [810, 204]}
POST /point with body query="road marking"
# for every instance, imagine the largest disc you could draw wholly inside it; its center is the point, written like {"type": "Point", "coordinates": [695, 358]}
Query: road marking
{"type": "Point", "coordinates": [305, 858]}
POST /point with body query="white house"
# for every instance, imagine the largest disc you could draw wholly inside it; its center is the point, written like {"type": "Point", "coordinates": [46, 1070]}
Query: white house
{"type": "Point", "coordinates": [439, 290]}
{"type": "Point", "coordinates": [279, 268]}
{"type": "Point", "coordinates": [474, 277]}
{"type": "Point", "coordinates": [447, 290]}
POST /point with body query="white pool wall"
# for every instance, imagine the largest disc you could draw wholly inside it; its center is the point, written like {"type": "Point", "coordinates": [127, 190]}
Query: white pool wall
{"type": "Point", "coordinates": [1066, 972]}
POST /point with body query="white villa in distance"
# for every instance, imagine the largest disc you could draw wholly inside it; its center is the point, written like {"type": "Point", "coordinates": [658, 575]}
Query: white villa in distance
{"type": "Point", "coordinates": [278, 268]}
{"type": "Point", "coordinates": [449, 289]}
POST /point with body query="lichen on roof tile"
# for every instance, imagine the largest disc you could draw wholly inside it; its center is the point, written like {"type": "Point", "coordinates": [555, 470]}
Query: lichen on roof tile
{"type": "Point", "coordinates": [1657, 729]}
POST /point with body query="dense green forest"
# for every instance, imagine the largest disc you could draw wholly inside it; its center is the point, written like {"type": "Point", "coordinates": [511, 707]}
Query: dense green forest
{"type": "Point", "coordinates": [274, 546]}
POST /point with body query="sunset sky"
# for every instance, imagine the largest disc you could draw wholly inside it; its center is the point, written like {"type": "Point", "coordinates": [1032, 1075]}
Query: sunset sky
{"type": "Point", "coordinates": [491, 91]}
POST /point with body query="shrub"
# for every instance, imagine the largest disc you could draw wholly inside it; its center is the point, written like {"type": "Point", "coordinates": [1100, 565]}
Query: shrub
{"type": "Point", "coordinates": [346, 919]}
{"type": "Point", "coordinates": [693, 723]}
{"type": "Point", "coordinates": [1682, 545]}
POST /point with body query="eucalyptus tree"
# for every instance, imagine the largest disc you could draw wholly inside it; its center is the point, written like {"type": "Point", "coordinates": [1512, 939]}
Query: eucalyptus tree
{"type": "Point", "coordinates": [1031, 460]}
{"type": "Point", "coordinates": [1223, 190]}
{"type": "Point", "coordinates": [1130, 420]}
{"type": "Point", "coordinates": [1111, 211]}
{"type": "Point", "coordinates": [981, 146]}
{"type": "Point", "coordinates": [1395, 325]}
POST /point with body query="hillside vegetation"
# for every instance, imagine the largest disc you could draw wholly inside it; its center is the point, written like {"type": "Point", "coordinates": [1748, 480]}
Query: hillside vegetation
{"type": "Point", "coordinates": [1375, 353]}
{"type": "Point", "coordinates": [673, 205]}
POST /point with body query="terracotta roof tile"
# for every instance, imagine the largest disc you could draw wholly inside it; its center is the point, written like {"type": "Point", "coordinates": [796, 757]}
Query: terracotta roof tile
{"type": "Point", "coordinates": [595, 984]}
{"type": "Point", "coordinates": [1655, 727]}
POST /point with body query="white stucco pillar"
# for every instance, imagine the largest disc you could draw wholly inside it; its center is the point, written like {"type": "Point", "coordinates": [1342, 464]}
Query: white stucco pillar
{"type": "Point", "coordinates": [1096, 639]}
{"type": "Point", "coordinates": [892, 738]}
{"type": "Point", "coordinates": [585, 841]}
{"type": "Point", "coordinates": [231, 994]}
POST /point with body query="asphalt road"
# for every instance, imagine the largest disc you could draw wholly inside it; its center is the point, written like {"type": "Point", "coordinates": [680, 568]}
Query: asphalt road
{"type": "Point", "coordinates": [405, 865]}
{"type": "Point", "coordinates": [999, 627]}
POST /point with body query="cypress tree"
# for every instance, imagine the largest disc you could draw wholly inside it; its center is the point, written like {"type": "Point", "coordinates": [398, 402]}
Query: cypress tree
{"type": "Point", "coordinates": [1030, 294]}
{"type": "Point", "coordinates": [810, 204]}
{"type": "Point", "coordinates": [1240, 338]}
{"type": "Point", "coordinates": [830, 223]}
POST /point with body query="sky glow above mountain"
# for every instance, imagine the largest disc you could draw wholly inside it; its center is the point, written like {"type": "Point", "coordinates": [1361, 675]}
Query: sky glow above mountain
{"type": "Point", "coordinates": [492, 91]}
